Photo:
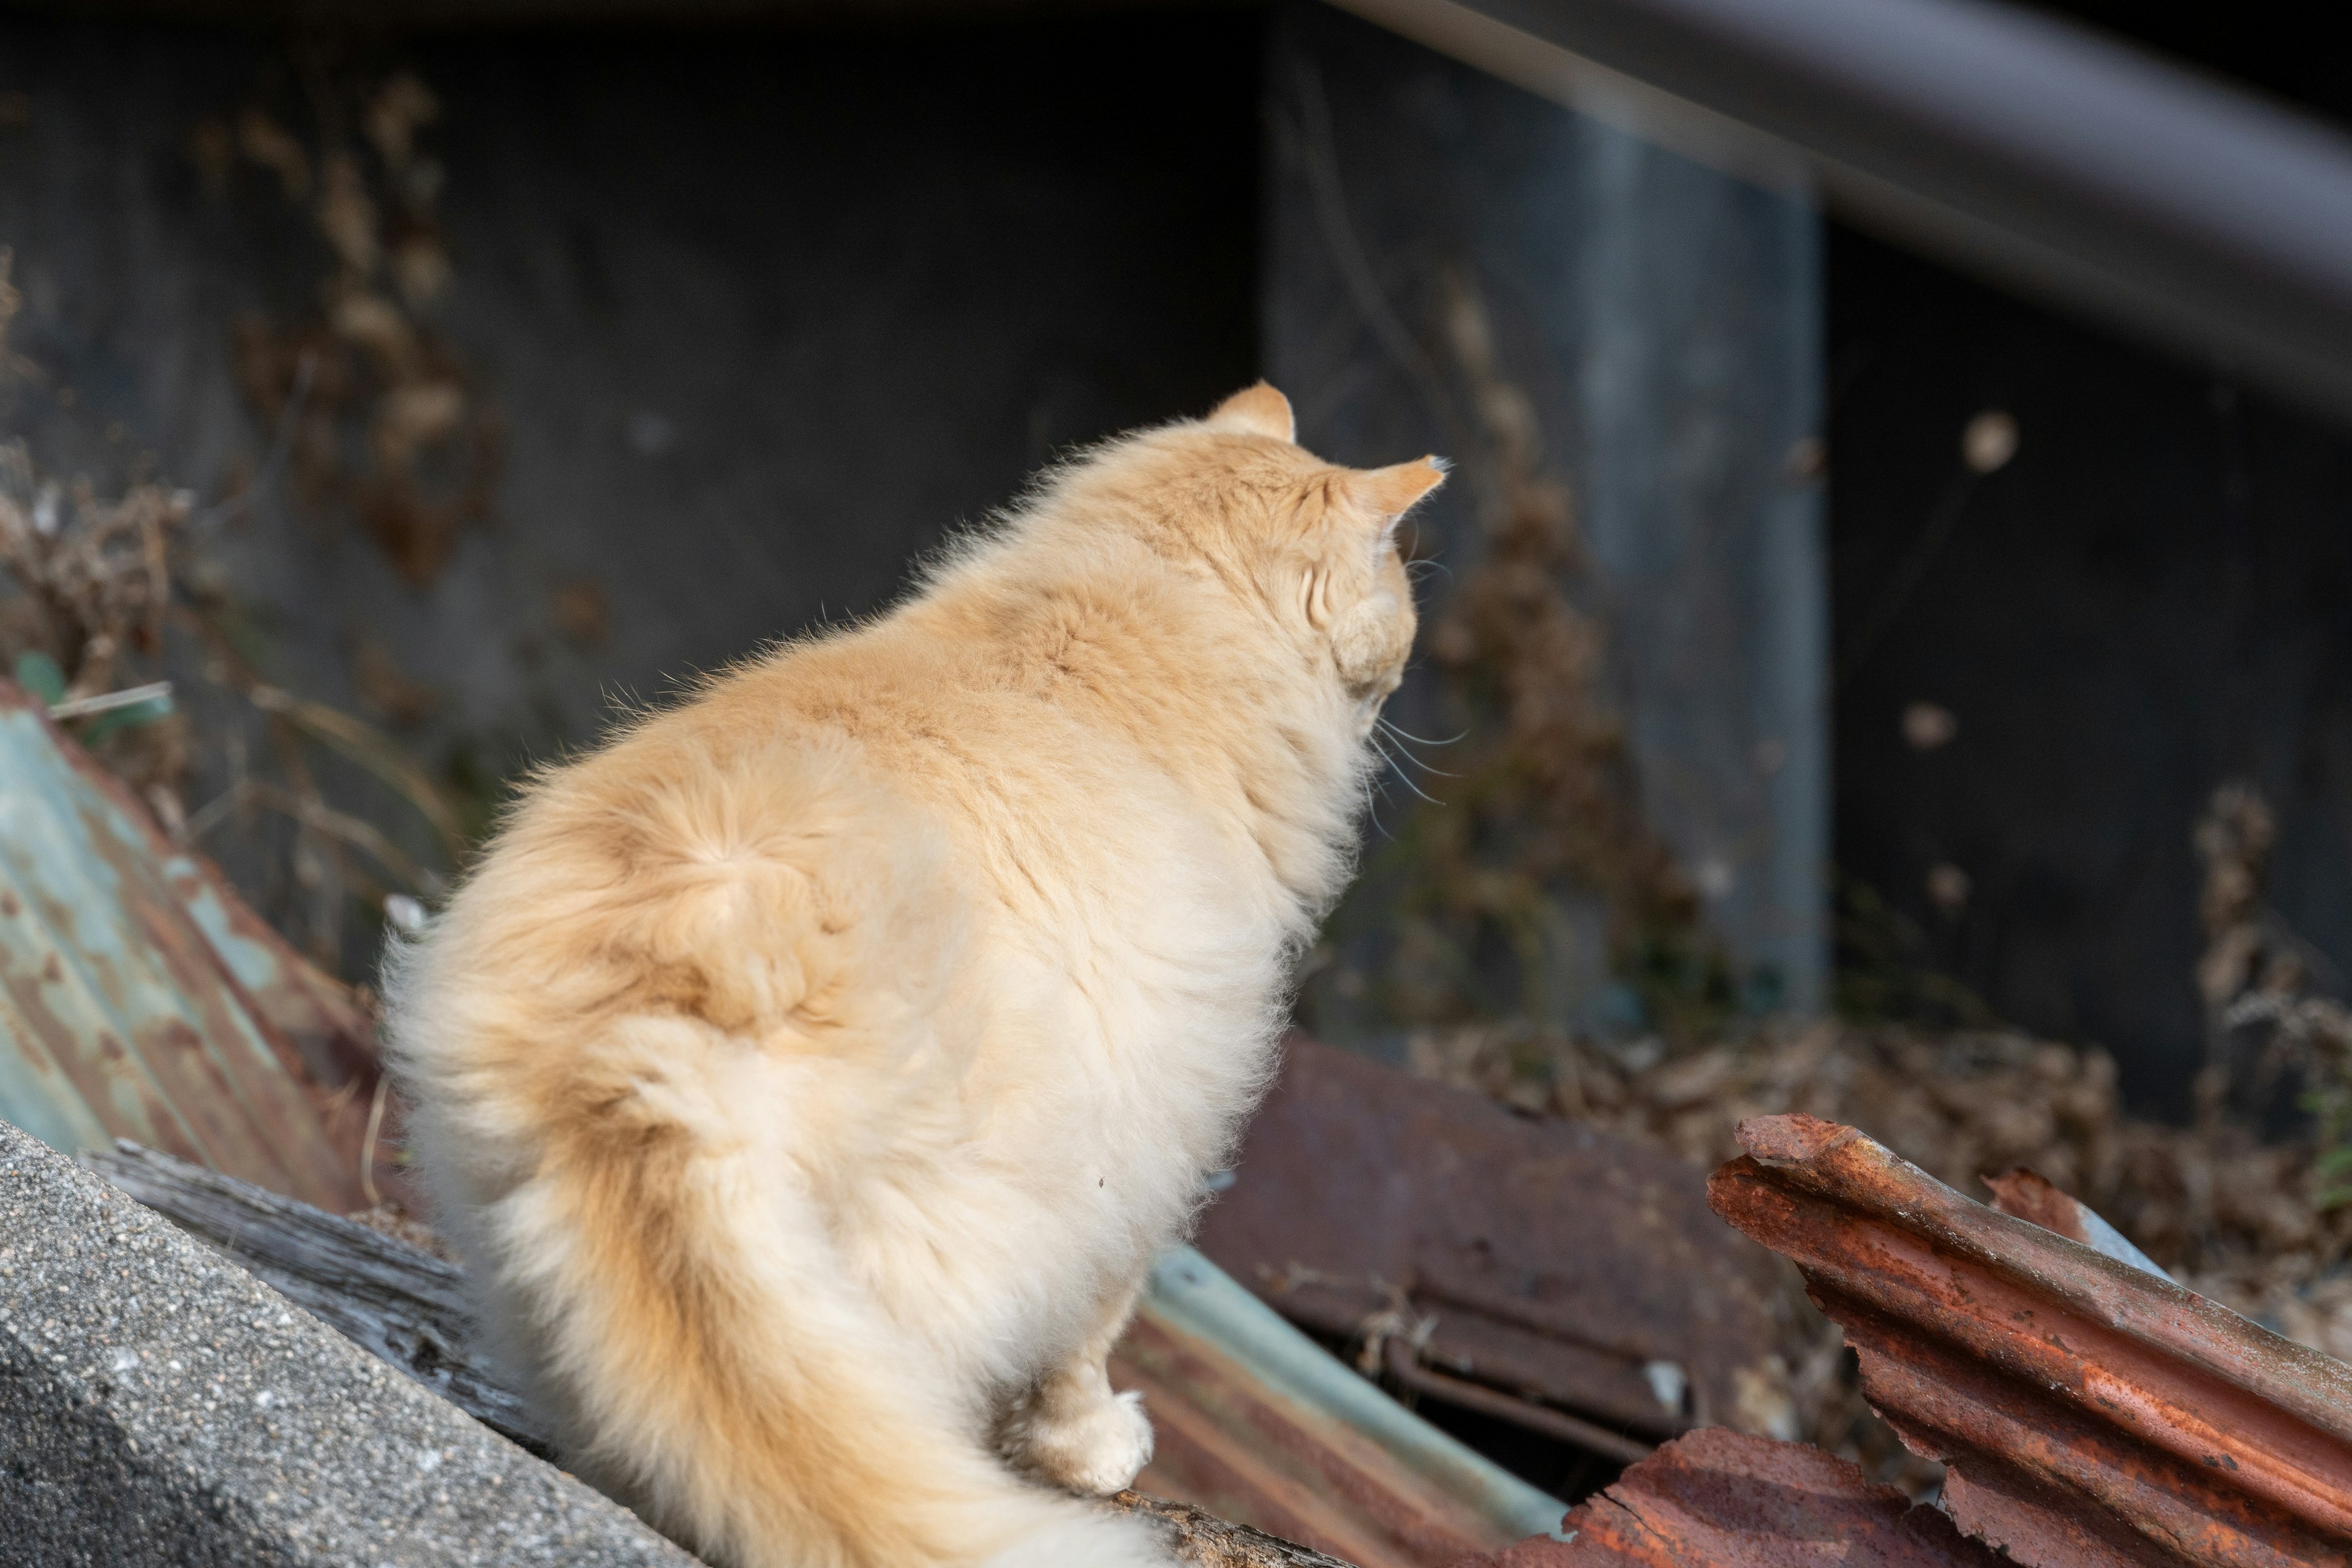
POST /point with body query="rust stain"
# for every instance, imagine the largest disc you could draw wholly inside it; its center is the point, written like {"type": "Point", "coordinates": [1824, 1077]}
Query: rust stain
{"type": "Point", "coordinates": [1717, 1499]}
{"type": "Point", "coordinates": [89, 1065]}
{"type": "Point", "coordinates": [240, 1064]}
{"type": "Point", "coordinates": [311, 1011]}
{"type": "Point", "coordinates": [143, 999]}
{"type": "Point", "coordinates": [1549, 1274]}
{"type": "Point", "coordinates": [1229, 1444]}
{"type": "Point", "coordinates": [2028, 1195]}
{"type": "Point", "coordinates": [2090, 1414]}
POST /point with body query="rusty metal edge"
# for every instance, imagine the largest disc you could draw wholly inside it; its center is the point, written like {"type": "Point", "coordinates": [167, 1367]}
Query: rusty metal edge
{"type": "Point", "coordinates": [303, 1019]}
{"type": "Point", "coordinates": [1190, 1295]}
{"type": "Point", "coordinates": [1404, 1364]}
{"type": "Point", "coordinates": [1718, 1498]}
{"type": "Point", "coordinates": [2089, 1414]}
{"type": "Point", "coordinates": [309, 1008]}
{"type": "Point", "coordinates": [2030, 1196]}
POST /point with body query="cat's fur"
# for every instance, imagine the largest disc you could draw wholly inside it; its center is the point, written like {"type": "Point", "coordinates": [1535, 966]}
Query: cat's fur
{"type": "Point", "coordinates": [810, 1075]}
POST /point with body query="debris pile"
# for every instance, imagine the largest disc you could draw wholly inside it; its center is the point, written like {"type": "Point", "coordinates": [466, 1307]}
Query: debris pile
{"type": "Point", "coordinates": [2231, 1217]}
{"type": "Point", "coordinates": [2246, 1206]}
{"type": "Point", "coordinates": [2090, 1410]}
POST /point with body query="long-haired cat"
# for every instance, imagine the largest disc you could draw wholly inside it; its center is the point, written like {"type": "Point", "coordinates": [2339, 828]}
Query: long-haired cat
{"type": "Point", "coordinates": [810, 1075]}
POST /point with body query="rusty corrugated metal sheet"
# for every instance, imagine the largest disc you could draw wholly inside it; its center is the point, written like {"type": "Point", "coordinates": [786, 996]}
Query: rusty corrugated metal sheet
{"type": "Point", "coordinates": [1716, 1498]}
{"type": "Point", "coordinates": [1257, 1424]}
{"type": "Point", "coordinates": [2089, 1415]}
{"type": "Point", "coordinates": [1542, 1271]}
{"type": "Point", "coordinates": [2030, 1196]}
{"type": "Point", "coordinates": [140, 997]}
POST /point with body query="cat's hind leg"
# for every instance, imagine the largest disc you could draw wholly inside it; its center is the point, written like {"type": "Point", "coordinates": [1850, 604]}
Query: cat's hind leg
{"type": "Point", "coordinates": [707, 1357]}
{"type": "Point", "coordinates": [1073, 1429]}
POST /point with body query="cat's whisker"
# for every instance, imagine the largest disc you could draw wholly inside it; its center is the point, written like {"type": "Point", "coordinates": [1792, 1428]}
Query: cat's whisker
{"type": "Point", "coordinates": [1403, 776]}
{"type": "Point", "coordinates": [1371, 803]}
{"type": "Point", "coordinates": [1416, 762]}
{"type": "Point", "coordinates": [1421, 739]}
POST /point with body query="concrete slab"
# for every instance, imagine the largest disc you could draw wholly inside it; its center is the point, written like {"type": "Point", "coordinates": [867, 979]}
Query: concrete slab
{"type": "Point", "coordinates": [161, 1406]}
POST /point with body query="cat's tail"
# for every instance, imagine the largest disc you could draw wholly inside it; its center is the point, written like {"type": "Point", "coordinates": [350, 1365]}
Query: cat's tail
{"type": "Point", "coordinates": [706, 1359]}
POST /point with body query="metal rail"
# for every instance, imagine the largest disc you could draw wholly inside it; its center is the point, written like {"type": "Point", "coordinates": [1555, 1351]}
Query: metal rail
{"type": "Point", "coordinates": [2058, 160]}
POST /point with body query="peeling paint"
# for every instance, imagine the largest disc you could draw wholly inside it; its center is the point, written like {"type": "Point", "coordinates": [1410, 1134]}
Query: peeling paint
{"type": "Point", "coordinates": [140, 997]}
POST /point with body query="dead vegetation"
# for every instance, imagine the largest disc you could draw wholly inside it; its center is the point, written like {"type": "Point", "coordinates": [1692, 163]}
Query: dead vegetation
{"type": "Point", "coordinates": [1540, 816]}
{"type": "Point", "coordinates": [107, 584]}
{"type": "Point", "coordinates": [389, 433]}
{"type": "Point", "coordinates": [2261, 1225]}
{"type": "Point", "coordinates": [1477, 904]}
{"type": "Point", "coordinates": [110, 615]}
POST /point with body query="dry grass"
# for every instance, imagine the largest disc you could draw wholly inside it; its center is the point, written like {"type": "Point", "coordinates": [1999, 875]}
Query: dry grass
{"type": "Point", "coordinates": [104, 593]}
{"type": "Point", "coordinates": [1475, 903]}
{"type": "Point", "coordinates": [390, 434]}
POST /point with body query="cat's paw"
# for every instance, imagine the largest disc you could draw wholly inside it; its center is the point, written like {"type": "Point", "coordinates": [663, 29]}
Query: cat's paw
{"type": "Point", "coordinates": [1095, 1450]}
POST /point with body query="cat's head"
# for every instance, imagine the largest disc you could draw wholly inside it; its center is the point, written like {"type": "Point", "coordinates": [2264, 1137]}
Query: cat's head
{"type": "Point", "coordinates": [1317, 541]}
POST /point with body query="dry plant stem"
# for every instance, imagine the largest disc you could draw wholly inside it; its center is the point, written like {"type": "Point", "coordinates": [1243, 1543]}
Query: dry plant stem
{"type": "Point", "coordinates": [1309, 138]}
{"type": "Point", "coordinates": [371, 749]}
{"type": "Point", "coordinates": [318, 816]}
{"type": "Point", "coordinates": [97, 583]}
{"type": "Point", "coordinates": [381, 421]}
{"type": "Point", "coordinates": [1547, 806]}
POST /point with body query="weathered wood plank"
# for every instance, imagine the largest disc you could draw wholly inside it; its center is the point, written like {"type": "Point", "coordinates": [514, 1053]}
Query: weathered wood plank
{"type": "Point", "coordinates": [396, 1300]}
{"type": "Point", "coordinates": [1208, 1541]}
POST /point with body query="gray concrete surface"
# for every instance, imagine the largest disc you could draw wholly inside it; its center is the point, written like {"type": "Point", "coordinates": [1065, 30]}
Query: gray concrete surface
{"type": "Point", "coordinates": [160, 1406]}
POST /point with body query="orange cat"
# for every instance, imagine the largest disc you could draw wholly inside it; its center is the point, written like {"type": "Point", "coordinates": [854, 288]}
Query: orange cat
{"type": "Point", "coordinates": [810, 1075]}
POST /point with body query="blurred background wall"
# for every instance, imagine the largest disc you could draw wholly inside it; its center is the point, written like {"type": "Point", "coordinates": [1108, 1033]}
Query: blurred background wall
{"type": "Point", "coordinates": [554, 364]}
{"type": "Point", "coordinates": [740, 322]}
{"type": "Point", "coordinates": [2152, 598]}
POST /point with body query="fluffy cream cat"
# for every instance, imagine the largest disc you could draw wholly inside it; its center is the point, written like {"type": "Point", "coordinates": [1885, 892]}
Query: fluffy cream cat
{"type": "Point", "coordinates": [810, 1074]}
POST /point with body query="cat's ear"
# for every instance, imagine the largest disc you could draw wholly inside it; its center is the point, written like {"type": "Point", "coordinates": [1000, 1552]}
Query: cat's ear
{"type": "Point", "coordinates": [1259, 411]}
{"type": "Point", "coordinates": [1385, 495]}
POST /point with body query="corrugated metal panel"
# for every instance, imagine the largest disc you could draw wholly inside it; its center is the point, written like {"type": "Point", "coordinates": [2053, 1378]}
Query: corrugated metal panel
{"type": "Point", "coordinates": [2030, 1196]}
{"type": "Point", "coordinates": [2091, 1414]}
{"type": "Point", "coordinates": [141, 999]}
{"type": "Point", "coordinates": [1258, 1424]}
{"type": "Point", "coordinates": [1548, 1273]}
{"type": "Point", "coordinates": [1722, 1499]}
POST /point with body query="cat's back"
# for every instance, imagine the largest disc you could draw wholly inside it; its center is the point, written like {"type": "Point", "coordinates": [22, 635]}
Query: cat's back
{"type": "Point", "coordinates": [870, 784]}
